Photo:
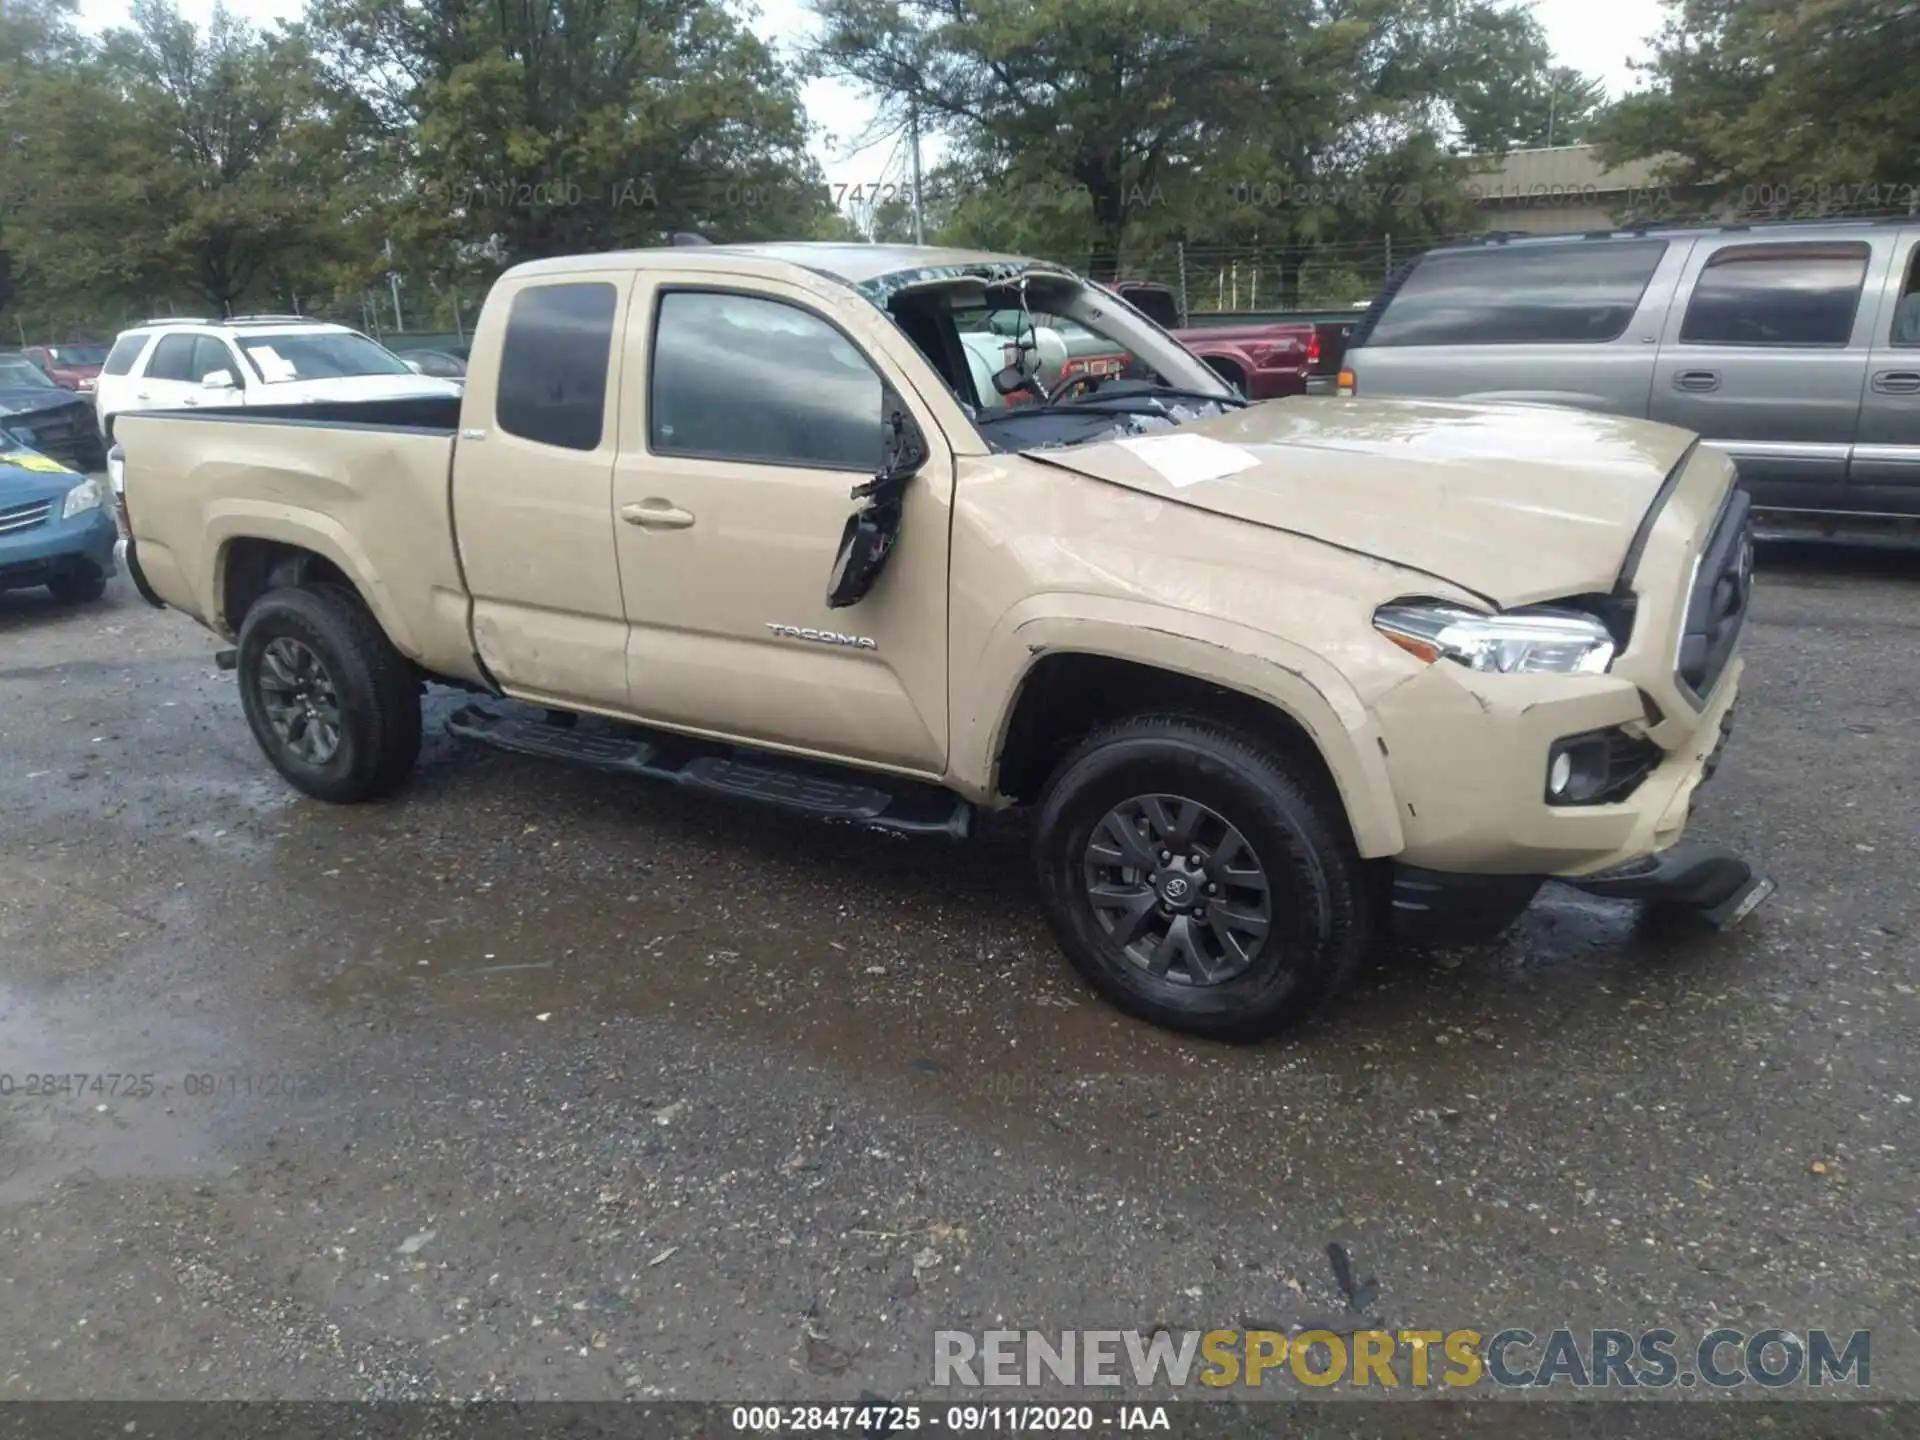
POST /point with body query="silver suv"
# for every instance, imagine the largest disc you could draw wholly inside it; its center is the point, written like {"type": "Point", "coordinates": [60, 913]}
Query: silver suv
{"type": "Point", "coordinates": [1792, 347]}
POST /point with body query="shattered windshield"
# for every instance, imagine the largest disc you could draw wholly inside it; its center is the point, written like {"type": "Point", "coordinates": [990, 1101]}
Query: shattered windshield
{"type": "Point", "coordinates": [1039, 358]}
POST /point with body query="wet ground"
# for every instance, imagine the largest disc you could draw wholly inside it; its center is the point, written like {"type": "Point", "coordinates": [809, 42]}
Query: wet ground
{"type": "Point", "coordinates": [535, 1083]}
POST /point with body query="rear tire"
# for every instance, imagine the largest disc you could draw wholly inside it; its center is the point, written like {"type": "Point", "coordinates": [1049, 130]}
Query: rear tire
{"type": "Point", "coordinates": [80, 584]}
{"type": "Point", "coordinates": [1171, 843]}
{"type": "Point", "coordinates": [333, 705]}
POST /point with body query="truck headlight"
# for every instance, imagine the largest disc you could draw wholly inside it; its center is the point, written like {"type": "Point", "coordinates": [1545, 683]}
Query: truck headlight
{"type": "Point", "coordinates": [1539, 641]}
{"type": "Point", "coordinates": [87, 495]}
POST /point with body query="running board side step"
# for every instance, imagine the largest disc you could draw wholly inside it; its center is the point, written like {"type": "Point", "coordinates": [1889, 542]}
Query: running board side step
{"type": "Point", "coordinates": [840, 797]}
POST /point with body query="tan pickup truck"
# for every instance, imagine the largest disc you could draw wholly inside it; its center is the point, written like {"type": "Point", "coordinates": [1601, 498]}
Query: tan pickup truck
{"type": "Point", "coordinates": [1270, 677]}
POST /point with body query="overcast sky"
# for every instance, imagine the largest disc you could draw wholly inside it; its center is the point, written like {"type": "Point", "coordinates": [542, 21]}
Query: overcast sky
{"type": "Point", "coordinates": [1600, 37]}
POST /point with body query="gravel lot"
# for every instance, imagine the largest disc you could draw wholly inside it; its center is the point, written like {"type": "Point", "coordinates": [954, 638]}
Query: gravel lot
{"type": "Point", "coordinates": [531, 1083]}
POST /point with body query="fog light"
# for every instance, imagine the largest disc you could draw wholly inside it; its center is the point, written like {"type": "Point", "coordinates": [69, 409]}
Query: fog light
{"type": "Point", "coordinates": [1560, 775]}
{"type": "Point", "coordinates": [1601, 767]}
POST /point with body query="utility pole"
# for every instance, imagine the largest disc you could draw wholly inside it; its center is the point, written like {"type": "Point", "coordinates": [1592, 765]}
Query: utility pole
{"type": "Point", "coordinates": [393, 286]}
{"type": "Point", "coordinates": [913, 139]}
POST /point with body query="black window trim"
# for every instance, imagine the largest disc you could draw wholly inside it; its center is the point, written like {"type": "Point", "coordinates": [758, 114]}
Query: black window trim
{"type": "Point", "coordinates": [609, 414]}
{"type": "Point", "coordinates": [140, 353]}
{"type": "Point", "coordinates": [192, 337]}
{"type": "Point", "coordinates": [1765, 250]}
{"type": "Point", "coordinates": [653, 343]}
{"type": "Point", "coordinates": [1904, 287]}
{"type": "Point", "coordinates": [1371, 321]}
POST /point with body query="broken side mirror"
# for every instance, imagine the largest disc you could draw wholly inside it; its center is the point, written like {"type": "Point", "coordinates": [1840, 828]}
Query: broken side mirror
{"type": "Point", "coordinates": [871, 531]}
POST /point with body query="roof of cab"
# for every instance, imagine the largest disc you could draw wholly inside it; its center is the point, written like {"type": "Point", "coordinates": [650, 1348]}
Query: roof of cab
{"type": "Point", "coordinates": [851, 263]}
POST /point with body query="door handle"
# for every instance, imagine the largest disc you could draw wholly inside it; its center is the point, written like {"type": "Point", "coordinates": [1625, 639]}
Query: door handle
{"type": "Point", "coordinates": [141, 395]}
{"type": "Point", "coordinates": [656, 514]}
{"type": "Point", "coordinates": [188, 400]}
{"type": "Point", "coordinates": [1696, 380]}
{"type": "Point", "coordinates": [1897, 382]}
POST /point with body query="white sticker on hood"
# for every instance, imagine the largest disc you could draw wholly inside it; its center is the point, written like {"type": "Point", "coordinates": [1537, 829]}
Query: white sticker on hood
{"type": "Point", "coordinates": [1189, 459]}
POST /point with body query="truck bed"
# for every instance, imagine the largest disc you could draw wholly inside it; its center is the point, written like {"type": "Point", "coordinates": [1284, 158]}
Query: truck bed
{"type": "Point", "coordinates": [363, 484]}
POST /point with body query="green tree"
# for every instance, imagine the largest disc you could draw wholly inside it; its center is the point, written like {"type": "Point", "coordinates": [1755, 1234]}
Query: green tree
{"type": "Point", "coordinates": [1811, 102]}
{"type": "Point", "coordinates": [539, 127]}
{"type": "Point", "coordinates": [1552, 105]}
{"type": "Point", "coordinates": [1096, 125]}
{"type": "Point", "coordinates": [175, 161]}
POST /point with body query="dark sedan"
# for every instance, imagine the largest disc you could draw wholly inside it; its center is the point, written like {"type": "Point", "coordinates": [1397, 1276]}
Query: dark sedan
{"type": "Point", "coordinates": [40, 414]}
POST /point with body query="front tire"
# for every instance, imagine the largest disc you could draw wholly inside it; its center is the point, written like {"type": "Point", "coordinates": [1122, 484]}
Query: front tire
{"type": "Point", "coordinates": [1196, 882]}
{"type": "Point", "coordinates": [80, 584]}
{"type": "Point", "coordinates": [332, 704]}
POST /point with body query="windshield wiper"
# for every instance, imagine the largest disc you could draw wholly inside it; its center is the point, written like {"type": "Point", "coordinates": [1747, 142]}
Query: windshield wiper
{"type": "Point", "coordinates": [1156, 392]}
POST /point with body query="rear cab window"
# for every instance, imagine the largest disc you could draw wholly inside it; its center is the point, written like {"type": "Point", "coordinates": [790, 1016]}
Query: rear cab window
{"type": "Point", "coordinates": [1784, 294]}
{"type": "Point", "coordinates": [554, 363]}
{"type": "Point", "coordinates": [1573, 294]}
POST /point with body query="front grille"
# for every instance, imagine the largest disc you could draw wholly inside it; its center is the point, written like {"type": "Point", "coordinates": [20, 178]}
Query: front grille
{"type": "Point", "coordinates": [83, 452]}
{"type": "Point", "coordinates": [1717, 606]}
{"type": "Point", "coordinates": [25, 517]}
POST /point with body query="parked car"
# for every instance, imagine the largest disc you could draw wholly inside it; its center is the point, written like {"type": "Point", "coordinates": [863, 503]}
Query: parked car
{"type": "Point", "coordinates": [72, 367]}
{"type": "Point", "coordinates": [56, 527]}
{"type": "Point", "coordinates": [41, 415]}
{"type": "Point", "coordinates": [249, 360]}
{"type": "Point", "coordinates": [1269, 676]}
{"type": "Point", "coordinates": [1264, 359]}
{"type": "Point", "coordinates": [1794, 348]}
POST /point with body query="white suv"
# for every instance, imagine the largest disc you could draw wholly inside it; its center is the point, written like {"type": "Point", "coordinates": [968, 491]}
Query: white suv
{"type": "Point", "coordinates": [249, 360]}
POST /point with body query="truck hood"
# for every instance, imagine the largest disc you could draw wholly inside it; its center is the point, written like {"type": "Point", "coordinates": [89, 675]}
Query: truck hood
{"type": "Point", "coordinates": [1516, 503]}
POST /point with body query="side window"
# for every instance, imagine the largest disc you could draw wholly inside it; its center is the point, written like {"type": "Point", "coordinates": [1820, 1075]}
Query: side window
{"type": "Point", "coordinates": [1906, 312]}
{"type": "Point", "coordinates": [553, 364]}
{"type": "Point", "coordinates": [125, 351]}
{"type": "Point", "coordinates": [172, 358]}
{"type": "Point", "coordinates": [1777, 295]}
{"type": "Point", "coordinates": [735, 377]}
{"type": "Point", "coordinates": [210, 355]}
{"type": "Point", "coordinates": [1582, 293]}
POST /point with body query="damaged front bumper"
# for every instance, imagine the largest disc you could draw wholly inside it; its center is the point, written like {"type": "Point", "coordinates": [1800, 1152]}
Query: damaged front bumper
{"type": "Point", "coordinates": [1721, 886]}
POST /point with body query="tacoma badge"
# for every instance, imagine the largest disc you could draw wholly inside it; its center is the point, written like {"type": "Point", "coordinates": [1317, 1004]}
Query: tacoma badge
{"type": "Point", "coordinates": [823, 637]}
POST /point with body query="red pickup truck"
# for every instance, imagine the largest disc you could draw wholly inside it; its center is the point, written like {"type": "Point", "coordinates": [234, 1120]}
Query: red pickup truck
{"type": "Point", "coordinates": [1264, 360]}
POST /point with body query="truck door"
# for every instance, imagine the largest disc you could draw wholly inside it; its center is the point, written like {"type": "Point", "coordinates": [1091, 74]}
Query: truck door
{"type": "Point", "coordinates": [751, 409]}
{"type": "Point", "coordinates": [533, 488]}
{"type": "Point", "coordinates": [1885, 473]}
{"type": "Point", "coordinates": [1765, 356]}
